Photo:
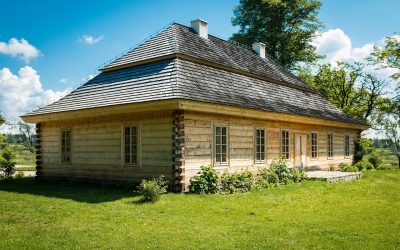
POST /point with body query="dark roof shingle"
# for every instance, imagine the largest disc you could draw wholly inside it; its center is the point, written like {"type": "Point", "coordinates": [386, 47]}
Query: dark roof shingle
{"type": "Point", "coordinates": [170, 79]}
{"type": "Point", "coordinates": [178, 38]}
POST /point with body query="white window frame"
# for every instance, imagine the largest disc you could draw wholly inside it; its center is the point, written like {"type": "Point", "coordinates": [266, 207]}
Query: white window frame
{"type": "Point", "coordinates": [138, 145]}
{"type": "Point", "coordinates": [215, 145]}
{"type": "Point", "coordinates": [328, 146]}
{"type": "Point", "coordinates": [346, 153]}
{"type": "Point", "coordinates": [257, 142]}
{"type": "Point", "coordinates": [316, 145]}
{"type": "Point", "coordinates": [281, 145]}
{"type": "Point", "coordinates": [63, 151]}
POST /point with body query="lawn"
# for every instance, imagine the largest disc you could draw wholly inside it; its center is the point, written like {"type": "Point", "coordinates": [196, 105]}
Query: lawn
{"type": "Point", "coordinates": [361, 214]}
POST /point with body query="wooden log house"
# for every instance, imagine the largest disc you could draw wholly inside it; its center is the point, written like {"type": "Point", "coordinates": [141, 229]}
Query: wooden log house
{"type": "Point", "coordinates": [184, 99]}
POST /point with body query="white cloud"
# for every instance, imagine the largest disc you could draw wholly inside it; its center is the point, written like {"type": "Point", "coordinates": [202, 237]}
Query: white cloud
{"type": "Point", "coordinates": [24, 92]}
{"type": "Point", "coordinates": [63, 80]}
{"type": "Point", "coordinates": [90, 40]}
{"type": "Point", "coordinates": [19, 48]}
{"type": "Point", "coordinates": [337, 46]}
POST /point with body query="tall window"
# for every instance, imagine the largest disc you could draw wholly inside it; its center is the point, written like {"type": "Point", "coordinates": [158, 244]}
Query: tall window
{"type": "Point", "coordinates": [66, 146]}
{"type": "Point", "coordinates": [260, 145]}
{"type": "Point", "coordinates": [330, 145]}
{"type": "Point", "coordinates": [221, 144]}
{"type": "Point", "coordinates": [131, 145]}
{"type": "Point", "coordinates": [346, 145]}
{"type": "Point", "coordinates": [285, 144]}
{"type": "Point", "coordinates": [314, 145]}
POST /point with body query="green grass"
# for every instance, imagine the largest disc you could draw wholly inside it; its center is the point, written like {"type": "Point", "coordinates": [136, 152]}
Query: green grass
{"type": "Point", "coordinates": [26, 168]}
{"type": "Point", "coordinates": [359, 214]}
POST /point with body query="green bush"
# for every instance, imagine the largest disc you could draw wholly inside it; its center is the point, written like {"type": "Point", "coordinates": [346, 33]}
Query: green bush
{"type": "Point", "coordinates": [151, 190]}
{"type": "Point", "coordinates": [345, 167]}
{"type": "Point", "coordinates": [384, 167]}
{"type": "Point", "coordinates": [363, 165]}
{"type": "Point", "coordinates": [280, 168]}
{"type": "Point", "coordinates": [331, 167]}
{"type": "Point", "coordinates": [206, 182]}
{"type": "Point", "coordinates": [376, 158]}
{"type": "Point", "coordinates": [7, 162]}
{"type": "Point", "coordinates": [236, 182]}
{"type": "Point", "coordinates": [19, 175]}
{"type": "Point", "coordinates": [298, 175]}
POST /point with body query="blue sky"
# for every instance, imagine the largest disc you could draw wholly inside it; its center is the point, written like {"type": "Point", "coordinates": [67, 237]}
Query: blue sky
{"type": "Point", "coordinates": [57, 30]}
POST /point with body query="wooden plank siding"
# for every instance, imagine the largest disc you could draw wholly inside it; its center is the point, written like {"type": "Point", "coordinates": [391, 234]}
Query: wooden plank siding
{"type": "Point", "coordinates": [96, 145]}
{"type": "Point", "coordinates": [96, 148]}
{"type": "Point", "coordinates": [199, 142]}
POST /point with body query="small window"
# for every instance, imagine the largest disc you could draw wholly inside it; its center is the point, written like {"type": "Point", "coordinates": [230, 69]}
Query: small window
{"type": "Point", "coordinates": [285, 144]}
{"type": "Point", "coordinates": [221, 144]}
{"type": "Point", "coordinates": [346, 146]}
{"type": "Point", "coordinates": [314, 145]}
{"type": "Point", "coordinates": [66, 146]}
{"type": "Point", "coordinates": [330, 145]}
{"type": "Point", "coordinates": [260, 145]}
{"type": "Point", "coordinates": [131, 145]}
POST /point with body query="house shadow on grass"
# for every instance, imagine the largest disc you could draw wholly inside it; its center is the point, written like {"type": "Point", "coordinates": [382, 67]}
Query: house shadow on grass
{"type": "Point", "coordinates": [72, 191]}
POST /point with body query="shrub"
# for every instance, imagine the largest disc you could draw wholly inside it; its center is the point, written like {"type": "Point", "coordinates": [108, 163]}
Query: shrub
{"type": "Point", "coordinates": [280, 168]}
{"type": "Point", "coordinates": [384, 167]}
{"type": "Point", "coordinates": [376, 158]}
{"type": "Point", "coordinates": [298, 175]}
{"type": "Point", "coordinates": [206, 182]}
{"type": "Point", "coordinates": [236, 182]}
{"type": "Point", "coordinates": [331, 167]}
{"type": "Point", "coordinates": [19, 175]}
{"type": "Point", "coordinates": [363, 165]}
{"type": "Point", "coordinates": [7, 162]}
{"type": "Point", "coordinates": [151, 190]}
{"type": "Point", "coordinates": [345, 167]}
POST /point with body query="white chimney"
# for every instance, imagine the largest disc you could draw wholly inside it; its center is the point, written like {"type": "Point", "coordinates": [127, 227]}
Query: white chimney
{"type": "Point", "coordinates": [259, 48]}
{"type": "Point", "coordinates": [200, 27]}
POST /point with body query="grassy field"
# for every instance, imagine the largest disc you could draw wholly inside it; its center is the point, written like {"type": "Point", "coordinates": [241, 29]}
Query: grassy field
{"type": "Point", "coordinates": [359, 214]}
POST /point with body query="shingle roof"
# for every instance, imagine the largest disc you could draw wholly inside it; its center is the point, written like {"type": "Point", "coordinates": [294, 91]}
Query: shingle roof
{"type": "Point", "coordinates": [177, 78]}
{"type": "Point", "coordinates": [170, 79]}
{"type": "Point", "coordinates": [180, 39]}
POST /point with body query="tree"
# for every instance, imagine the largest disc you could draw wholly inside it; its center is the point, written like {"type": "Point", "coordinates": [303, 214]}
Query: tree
{"type": "Point", "coordinates": [2, 137]}
{"type": "Point", "coordinates": [389, 56]}
{"type": "Point", "coordinates": [349, 87]}
{"type": "Point", "coordinates": [389, 120]}
{"type": "Point", "coordinates": [7, 162]}
{"type": "Point", "coordinates": [28, 135]}
{"type": "Point", "coordinates": [286, 27]}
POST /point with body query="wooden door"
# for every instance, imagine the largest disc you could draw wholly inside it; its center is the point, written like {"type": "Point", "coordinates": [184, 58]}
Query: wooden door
{"type": "Point", "coordinates": [300, 156]}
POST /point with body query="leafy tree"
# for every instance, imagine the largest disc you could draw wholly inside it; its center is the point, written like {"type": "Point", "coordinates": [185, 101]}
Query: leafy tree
{"type": "Point", "coordinates": [286, 27]}
{"type": "Point", "coordinates": [2, 120]}
{"type": "Point", "coordinates": [349, 87]}
{"type": "Point", "coordinates": [389, 117]}
{"type": "Point", "coordinates": [2, 137]}
{"type": "Point", "coordinates": [28, 135]}
{"type": "Point", "coordinates": [389, 56]}
{"type": "Point", "coordinates": [389, 121]}
{"type": "Point", "coordinates": [7, 162]}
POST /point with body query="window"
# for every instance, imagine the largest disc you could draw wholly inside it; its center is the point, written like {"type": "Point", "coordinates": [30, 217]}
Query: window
{"type": "Point", "coordinates": [66, 146]}
{"type": "Point", "coordinates": [314, 145]}
{"type": "Point", "coordinates": [330, 145]}
{"type": "Point", "coordinates": [260, 145]}
{"type": "Point", "coordinates": [346, 145]}
{"type": "Point", "coordinates": [131, 145]}
{"type": "Point", "coordinates": [221, 145]}
{"type": "Point", "coordinates": [285, 144]}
